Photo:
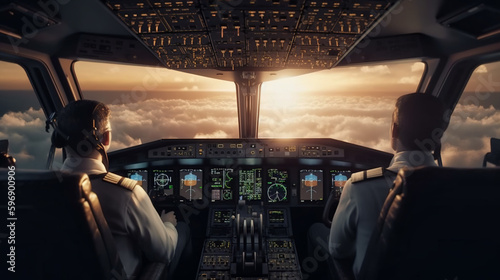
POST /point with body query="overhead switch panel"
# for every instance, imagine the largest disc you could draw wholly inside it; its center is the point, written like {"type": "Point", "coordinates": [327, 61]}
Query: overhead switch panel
{"type": "Point", "coordinates": [249, 34]}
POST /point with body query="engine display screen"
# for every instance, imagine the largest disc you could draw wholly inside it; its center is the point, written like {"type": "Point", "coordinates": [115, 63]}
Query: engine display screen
{"type": "Point", "coordinates": [277, 185]}
{"type": "Point", "coordinates": [250, 184]}
{"type": "Point", "coordinates": [141, 176]}
{"type": "Point", "coordinates": [191, 187]}
{"type": "Point", "coordinates": [163, 183]}
{"type": "Point", "coordinates": [222, 183]}
{"type": "Point", "coordinates": [339, 178]}
{"type": "Point", "coordinates": [311, 185]}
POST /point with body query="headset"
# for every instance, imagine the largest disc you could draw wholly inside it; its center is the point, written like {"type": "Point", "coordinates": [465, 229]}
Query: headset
{"type": "Point", "coordinates": [6, 160]}
{"type": "Point", "coordinates": [60, 139]}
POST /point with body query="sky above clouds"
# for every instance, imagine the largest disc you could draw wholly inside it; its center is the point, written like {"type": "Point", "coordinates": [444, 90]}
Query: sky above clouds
{"type": "Point", "coordinates": [349, 104]}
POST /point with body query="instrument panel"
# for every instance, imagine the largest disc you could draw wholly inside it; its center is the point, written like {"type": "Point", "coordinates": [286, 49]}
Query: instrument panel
{"type": "Point", "coordinates": [290, 172]}
{"type": "Point", "coordinates": [254, 197]}
{"type": "Point", "coordinates": [221, 185]}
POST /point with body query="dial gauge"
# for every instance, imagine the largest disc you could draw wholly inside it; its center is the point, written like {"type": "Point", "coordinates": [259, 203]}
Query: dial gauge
{"type": "Point", "coordinates": [276, 192]}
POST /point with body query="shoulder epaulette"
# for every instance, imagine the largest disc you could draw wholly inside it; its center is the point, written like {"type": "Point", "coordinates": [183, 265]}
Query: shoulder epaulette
{"type": "Point", "coordinates": [121, 181]}
{"type": "Point", "coordinates": [367, 174]}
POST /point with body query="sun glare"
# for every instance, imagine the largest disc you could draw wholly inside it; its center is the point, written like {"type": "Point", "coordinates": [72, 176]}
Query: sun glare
{"type": "Point", "coordinates": [283, 92]}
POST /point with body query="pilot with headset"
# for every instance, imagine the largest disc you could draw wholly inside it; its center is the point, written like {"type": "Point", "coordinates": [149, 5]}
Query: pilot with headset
{"type": "Point", "coordinates": [83, 129]}
{"type": "Point", "coordinates": [418, 123]}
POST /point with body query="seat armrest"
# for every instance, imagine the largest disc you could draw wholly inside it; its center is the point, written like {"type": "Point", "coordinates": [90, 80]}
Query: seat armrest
{"type": "Point", "coordinates": [153, 271]}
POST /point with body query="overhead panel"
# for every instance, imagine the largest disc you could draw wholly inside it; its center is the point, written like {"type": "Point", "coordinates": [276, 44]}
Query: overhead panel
{"type": "Point", "coordinates": [249, 34]}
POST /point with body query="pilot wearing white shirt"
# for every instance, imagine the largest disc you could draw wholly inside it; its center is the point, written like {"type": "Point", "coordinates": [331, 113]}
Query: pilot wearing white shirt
{"type": "Point", "coordinates": [360, 204]}
{"type": "Point", "coordinates": [83, 129]}
{"type": "Point", "coordinates": [418, 123]}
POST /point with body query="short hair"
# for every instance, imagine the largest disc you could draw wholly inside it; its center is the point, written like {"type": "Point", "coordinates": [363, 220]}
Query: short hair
{"type": "Point", "coordinates": [79, 121]}
{"type": "Point", "coordinates": [421, 119]}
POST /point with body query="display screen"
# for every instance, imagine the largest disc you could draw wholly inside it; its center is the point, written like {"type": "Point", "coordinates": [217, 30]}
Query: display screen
{"type": "Point", "coordinates": [141, 176]}
{"type": "Point", "coordinates": [276, 216]}
{"type": "Point", "coordinates": [222, 183]}
{"type": "Point", "coordinates": [191, 187]}
{"type": "Point", "coordinates": [250, 184]}
{"type": "Point", "coordinates": [277, 185]}
{"type": "Point", "coordinates": [339, 178]}
{"type": "Point", "coordinates": [222, 217]}
{"type": "Point", "coordinates": [311, 185]}
{"type": "Point", "coordinates": [162, 183]}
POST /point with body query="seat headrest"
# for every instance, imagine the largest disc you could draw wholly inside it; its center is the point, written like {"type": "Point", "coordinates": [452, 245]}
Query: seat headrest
{"type": "Point", "coordinates": [54, 181]}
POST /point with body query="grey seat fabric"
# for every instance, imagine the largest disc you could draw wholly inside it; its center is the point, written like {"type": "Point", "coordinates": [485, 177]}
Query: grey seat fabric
{"type": "Point", "coordinates": [60, 231]}
{"type": "Point", "coordinates": [438, 223]}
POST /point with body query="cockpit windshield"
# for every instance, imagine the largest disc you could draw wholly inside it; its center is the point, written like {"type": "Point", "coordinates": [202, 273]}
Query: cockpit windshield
{"type": "Point", "coordinates": [352, 104]}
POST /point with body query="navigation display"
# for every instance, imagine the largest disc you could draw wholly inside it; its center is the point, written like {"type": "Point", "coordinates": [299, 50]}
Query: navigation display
{"type": "Point", "coordinates": [141, 176]}
{"type": "Point", "coordinates": [339, 178]}
{"type": "Point", "coordinates": [311, 185]}
{"type": "Point", "coordinates": [277, 185]}
{"type": "Point", "coordinates": [250, 184]}
{"type": "Point", "coordinates": [222, 183]}
{"type": "Point", "coordinates": [162, 183]}
{"type": "Point", "coordinates": [191, 187]}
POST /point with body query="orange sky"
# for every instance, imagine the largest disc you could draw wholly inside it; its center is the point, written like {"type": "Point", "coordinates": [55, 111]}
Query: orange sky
{"type": "Point", "coordinates": [96, 76]}
{"type": "Point", "coordinates": [103, 76]}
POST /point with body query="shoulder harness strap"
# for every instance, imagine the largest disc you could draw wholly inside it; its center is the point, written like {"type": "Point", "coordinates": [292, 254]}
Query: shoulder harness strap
{"type": "Point", "coordinates": [118, 180]}
{"type": "Point", "coordinates": [370, 174]}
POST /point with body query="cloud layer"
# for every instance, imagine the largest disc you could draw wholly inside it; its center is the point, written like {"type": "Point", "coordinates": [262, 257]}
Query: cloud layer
{"type": "Point", "coordinates": [467, 138]}
{"type": "Point", "coordinates": [28, 141]}
{"type": "Point", "coordinates": [153, 103]}
{"type": "Point", "coordinates": [154, 119]}
{"type": "Point", "coordinates": [359, 120]}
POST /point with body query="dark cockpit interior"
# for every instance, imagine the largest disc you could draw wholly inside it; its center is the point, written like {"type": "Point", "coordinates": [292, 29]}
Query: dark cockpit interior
{"type": "Point", "coordinates": [248, 201]}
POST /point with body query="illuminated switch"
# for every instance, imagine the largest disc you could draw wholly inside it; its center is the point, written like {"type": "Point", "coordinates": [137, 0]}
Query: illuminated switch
{"type": "Point", "coordinates": [222, 28]}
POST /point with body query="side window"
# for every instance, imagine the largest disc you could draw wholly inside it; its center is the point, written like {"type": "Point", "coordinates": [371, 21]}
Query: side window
{"type": "Point", "coordinates": [475, 120]}
{"type": "Point", "coordinates": [22, 120]}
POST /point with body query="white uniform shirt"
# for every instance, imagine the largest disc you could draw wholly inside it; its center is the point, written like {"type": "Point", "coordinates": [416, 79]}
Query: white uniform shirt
{"type": "Point", "coordinates": [359, 207]}
{"type": "Point", "coordinates": [134, 222]}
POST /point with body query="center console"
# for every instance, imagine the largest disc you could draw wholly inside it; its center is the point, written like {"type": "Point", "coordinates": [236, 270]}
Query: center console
{"type": "Point", "coordinates": [249, 241]}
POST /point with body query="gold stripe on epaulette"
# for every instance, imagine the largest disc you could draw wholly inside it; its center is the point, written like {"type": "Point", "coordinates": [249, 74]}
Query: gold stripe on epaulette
{"type": "Point", "coordinates": [128, 183]}
{"type": "Point", "coordinates": [375, 172]}
{"type": "Point", "coordinates": [112, 178]}
{"type": "Point", "coordinates": [367, 174]}
{"type": "Point", "coordinates": [358, 176]}
{"type": "Point", "coordinates": [120, 181]}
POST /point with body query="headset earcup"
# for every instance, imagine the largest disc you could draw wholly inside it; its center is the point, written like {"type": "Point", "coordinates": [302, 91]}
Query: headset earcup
{"type": "Point", "coordinates": [57, 140]}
